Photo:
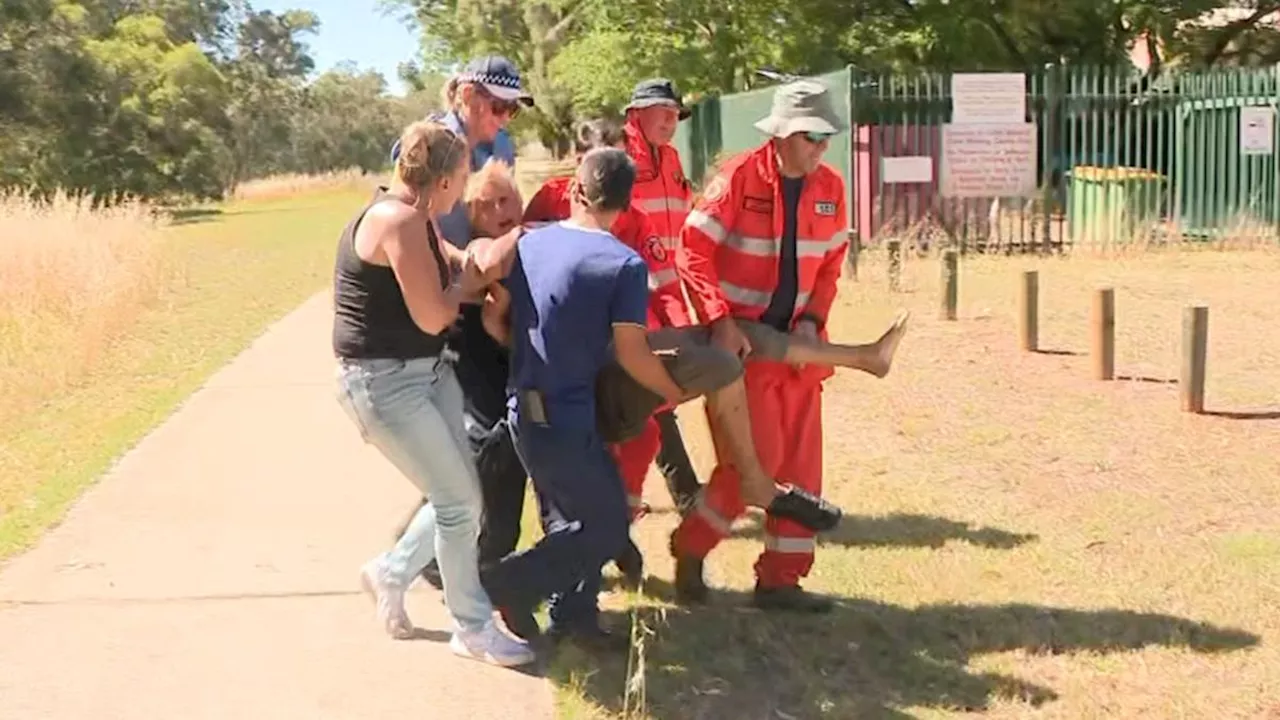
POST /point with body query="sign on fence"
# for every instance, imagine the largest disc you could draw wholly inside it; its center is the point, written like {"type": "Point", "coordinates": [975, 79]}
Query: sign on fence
{"type": "Point", "coordinates": [907, 169]}
{"type": "Point", "coordinates": [988, 160]}
{"type": "Point", "coordinates": [1257, 130]}
{"type": "Point", "coordinates": [988, 98]}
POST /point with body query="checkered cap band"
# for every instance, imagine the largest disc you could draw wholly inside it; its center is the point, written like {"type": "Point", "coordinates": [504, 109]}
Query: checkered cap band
{"type": "Point", "coordinates": [502, 80]}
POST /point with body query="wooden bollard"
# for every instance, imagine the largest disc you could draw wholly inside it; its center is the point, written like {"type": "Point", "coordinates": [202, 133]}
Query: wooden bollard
{"type": "Point", "coordinates": [1029, 311]}
{"type": "Point", "coordinates": [895, 264]}
{"type": "Point", "coordinates": [1102, 333]}
{"type": "Point", "coordinates": [855, 249]}
{"type": "Point", "coordinates": [950, 284]}
{"type": "Point", "coordinates": [1195, 344]}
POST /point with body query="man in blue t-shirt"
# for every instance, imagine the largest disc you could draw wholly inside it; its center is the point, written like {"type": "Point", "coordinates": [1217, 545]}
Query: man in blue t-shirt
{"type": "Point", "coordinates": [578, 299]}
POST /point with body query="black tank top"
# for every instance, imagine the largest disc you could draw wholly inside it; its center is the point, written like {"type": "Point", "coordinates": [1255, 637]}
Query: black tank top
{"type": "Point", "coordinates": [370, 317]}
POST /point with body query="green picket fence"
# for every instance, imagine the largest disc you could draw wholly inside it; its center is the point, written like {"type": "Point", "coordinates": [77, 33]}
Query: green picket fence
{"type": "Point", "coordinates": [1119, 157]}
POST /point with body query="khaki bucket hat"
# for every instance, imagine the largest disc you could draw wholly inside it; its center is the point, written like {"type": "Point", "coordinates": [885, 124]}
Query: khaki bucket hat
{"type": "Point", "coordinates": [799, 106]}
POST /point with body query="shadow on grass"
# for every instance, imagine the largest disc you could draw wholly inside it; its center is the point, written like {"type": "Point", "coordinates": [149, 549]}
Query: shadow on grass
{"type": "Point", "coordinates": [903, 530]}
{"type": "Point", "coordinates": [1244, 414]}
{"type": "Point", "coordinates": [1147, 379]}
{"type": "Point", "coordinates": [865, 660]}
{"type": "Point", "coordinates": [190, 216]}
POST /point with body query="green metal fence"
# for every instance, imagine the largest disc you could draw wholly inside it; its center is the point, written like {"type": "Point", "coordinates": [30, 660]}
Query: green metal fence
{"type": "Point", "coordinates": [1109, 156]}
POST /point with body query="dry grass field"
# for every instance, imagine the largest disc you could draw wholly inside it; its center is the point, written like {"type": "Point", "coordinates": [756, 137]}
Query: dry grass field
{"type": "Point", "coordinates": [1020, 540]}
{"type": "Point", "coordinates": [109, 320]}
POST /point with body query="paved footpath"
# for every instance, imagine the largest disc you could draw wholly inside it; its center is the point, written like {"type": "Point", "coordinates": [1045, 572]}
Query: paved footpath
{"type": "Point", "coordinates": [213, 573]}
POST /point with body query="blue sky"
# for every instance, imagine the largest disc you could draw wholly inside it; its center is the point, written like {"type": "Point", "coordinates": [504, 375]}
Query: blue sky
{"type": "Point", "coordinates": [354, 30]}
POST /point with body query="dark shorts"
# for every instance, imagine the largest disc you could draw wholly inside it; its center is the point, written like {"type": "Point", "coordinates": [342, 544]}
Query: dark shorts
{"type": "Point", "coordinates": [623, 406]}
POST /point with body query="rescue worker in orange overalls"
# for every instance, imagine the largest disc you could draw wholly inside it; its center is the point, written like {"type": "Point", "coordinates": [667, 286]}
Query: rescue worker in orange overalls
{"type": "Point", "coordinates": [770, 232]}
{"type": "Point", "coordinates": [667, 308]}
{"type": "Point", "coordinates": [661, 190]}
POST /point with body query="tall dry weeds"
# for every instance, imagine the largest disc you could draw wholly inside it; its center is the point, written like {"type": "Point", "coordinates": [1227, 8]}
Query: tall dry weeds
{"type": "Point", "coordinates": [72, 280]}
{"type": "Point", "coordinates": [286, 186]}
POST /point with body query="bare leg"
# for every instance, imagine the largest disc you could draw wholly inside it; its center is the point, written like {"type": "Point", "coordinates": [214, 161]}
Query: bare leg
{"type": "Point", "coordinates": [728, 406]}
{"type": "Point", "coordinates": [875, 358]}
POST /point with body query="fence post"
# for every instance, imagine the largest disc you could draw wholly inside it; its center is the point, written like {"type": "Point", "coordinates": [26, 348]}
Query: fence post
{"type": "Point", "coordinates": [855, 249]}
{"type": "Point", "coordinates": [950, 283]}
{"type": "Point", "coordinates": [1029, 311]}
{"type": "Point", "coordinates": [1103, 334]}
{"type": "Point", "coordinates": [895, 263]}
{"type": "Point", "coordinates": [1195, 342]}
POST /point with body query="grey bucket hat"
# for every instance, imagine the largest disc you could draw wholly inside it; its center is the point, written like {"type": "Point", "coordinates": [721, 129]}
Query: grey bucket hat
{"type": "Point", "coordinates": [802, 105]}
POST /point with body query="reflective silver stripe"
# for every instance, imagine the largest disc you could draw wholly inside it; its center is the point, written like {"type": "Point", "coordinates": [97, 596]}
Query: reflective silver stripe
{"type": "Point", "coordinates": [713, 518]}
{"type": "Point", "coordinates": [745, 296]}
{"type": "Point", "coordinates": [764, 247]}
{"type": "Point", "coordinates": [796, 546]}
{"type": "Point", "coordinates": [756, 298]}
{"type": "Point", "coordinates": [819, 248]}
{"type": "Point", "coordinates": [663, 204]}
{"type": "Point", "coordinates": [660, 278]}
{"type": "Point", "coordinates": [772, 247]}
{"type": "Point", "coordinates": [707, 224]}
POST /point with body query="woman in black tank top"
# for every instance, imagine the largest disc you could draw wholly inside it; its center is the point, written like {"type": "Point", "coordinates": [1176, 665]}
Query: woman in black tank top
{"type": "Point", "coordinates": [392, 304]}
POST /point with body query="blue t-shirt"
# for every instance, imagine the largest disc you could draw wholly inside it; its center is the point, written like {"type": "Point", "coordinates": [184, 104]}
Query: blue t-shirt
{"type": "Point", "coordinates": [569, 286]}
{"type": "Point", "coordinates": [454, 226]}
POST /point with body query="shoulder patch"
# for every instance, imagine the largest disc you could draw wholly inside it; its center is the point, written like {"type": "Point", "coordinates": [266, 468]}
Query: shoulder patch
{"type": "Point", "coordinates": [824, 207]}
{"type": "Point", "coordinates": [716, 188]}
{"type": "Point", "coordinates": [654, 248]}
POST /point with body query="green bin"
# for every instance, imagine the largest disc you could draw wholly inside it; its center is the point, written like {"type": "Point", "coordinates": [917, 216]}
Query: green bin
{"type": "Point", "coordinates": [1112, 205]}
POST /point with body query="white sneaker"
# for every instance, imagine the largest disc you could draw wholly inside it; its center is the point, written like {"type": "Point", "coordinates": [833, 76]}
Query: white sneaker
{"type": "Point", "coordinates": [493, 646]}
{"type": "Point", "coordinates": [389, 599]}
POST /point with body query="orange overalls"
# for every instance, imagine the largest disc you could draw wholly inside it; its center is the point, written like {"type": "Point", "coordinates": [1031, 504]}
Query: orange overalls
{"type": "Point", "coordinates": [733, 237]}
{"type": "Point", "coordinates": [666, 309]}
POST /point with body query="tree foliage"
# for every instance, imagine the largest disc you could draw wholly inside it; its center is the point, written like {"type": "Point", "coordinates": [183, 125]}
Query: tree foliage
{"type": "Point", "coordinates": [172, 100]}
{"type": "Point", "coordinates": [169, 100]}
{"type": "Point", "coordinates": [589, 53]}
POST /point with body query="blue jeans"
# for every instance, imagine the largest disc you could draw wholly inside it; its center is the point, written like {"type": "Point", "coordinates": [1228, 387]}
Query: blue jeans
{"type": "Point", "coordinates": [411, 410]}
{"type": "Point", "coordinates": [584, 520]}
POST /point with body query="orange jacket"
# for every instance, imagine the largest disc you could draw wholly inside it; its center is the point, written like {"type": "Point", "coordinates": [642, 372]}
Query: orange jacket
{"type": "Point", "coordinates": [661, 188]}
{"type": "Point", "coordinates": [733, 235]}
{"type": "Point", "coordinates": [666, 298]}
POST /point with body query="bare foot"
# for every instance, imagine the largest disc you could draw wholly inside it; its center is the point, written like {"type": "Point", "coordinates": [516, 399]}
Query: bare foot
{"type": "Point", "coordinates": [887, 345]}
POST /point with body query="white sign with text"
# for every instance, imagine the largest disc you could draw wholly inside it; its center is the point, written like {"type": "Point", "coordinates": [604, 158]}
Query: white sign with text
{"type": "Point", "coordinates": [986, 160]}
{"type": "Point", "coordinates": [988, 98]}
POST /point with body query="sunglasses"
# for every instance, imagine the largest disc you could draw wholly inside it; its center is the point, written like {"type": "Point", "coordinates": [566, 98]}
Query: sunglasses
{"type": "Point", "coordinates": [501, 108]}
{"type": "Point", "coordinates": [817, 138]}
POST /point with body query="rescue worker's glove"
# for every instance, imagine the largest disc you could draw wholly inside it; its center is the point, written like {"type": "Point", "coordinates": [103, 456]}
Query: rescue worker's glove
{"type": "Point", "coordinates": [803, 507]}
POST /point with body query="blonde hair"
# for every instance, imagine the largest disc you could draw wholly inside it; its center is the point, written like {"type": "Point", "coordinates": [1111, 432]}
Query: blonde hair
{"type": "Point", "coordinates": [493, 171]}
{"type": "Point", "coordinates": [449, 94]}
{"type": "Point", "coordinates": [429, 151]}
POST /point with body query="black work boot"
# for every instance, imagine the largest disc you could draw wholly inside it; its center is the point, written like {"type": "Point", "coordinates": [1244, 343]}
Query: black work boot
{"type": "Point", "coordinates": [690, 587]}
{"type": "Point", "coordinates": [592, 639]}
{"type": "Point", "coordinates": [791, 598]}
{"type": "Point", "coordinates": [522, 624]}
{"type": "Point", "coordinates": [631, 564]}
